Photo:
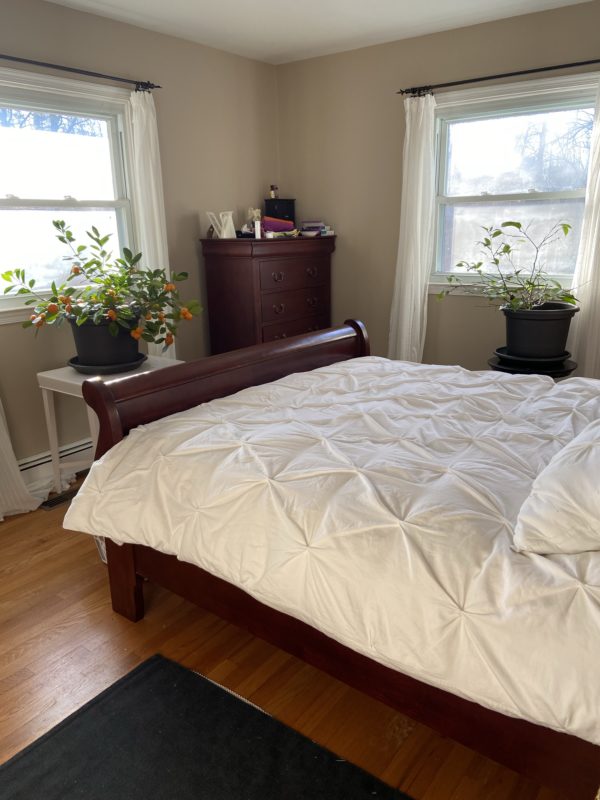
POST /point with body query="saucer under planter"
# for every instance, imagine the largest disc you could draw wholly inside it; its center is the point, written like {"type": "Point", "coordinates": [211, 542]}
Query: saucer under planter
{"type": "Point", "coordinates": [106, 369]}
{"type": "Point", "coordinates": [98, 349]}
{"type": "Point", "coordinates": [539, 333]}
{"type": "Point", "coordinates": [508, 359]}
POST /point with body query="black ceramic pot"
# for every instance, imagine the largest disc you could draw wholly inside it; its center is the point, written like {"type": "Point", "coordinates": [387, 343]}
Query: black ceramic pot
{"type": "Point", "coordinates": [539, 333]}
{"type": "Point", "coordinates": [97, 347]}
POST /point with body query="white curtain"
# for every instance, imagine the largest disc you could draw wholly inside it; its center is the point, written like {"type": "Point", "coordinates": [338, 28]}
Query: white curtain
{"type": "Point", "coordinates": [417, 222]}
{"type": "Point", "coordinates": [147, 191]}
{"type": "Point", "coordinates": [585, 338]}
{"type": "Point", "coordinates": [14, 496]}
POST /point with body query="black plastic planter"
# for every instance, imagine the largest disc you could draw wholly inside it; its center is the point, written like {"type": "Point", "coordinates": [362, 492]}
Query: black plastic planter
{"type": "Point", "coordinates": [539, 333]}
{"type": "Point", "coordinates": [98, 348]}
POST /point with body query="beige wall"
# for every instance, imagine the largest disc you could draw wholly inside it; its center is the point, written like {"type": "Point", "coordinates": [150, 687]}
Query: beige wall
{"type": "Point", "coordinates": [217, 117]}
{"type": "Point", "coordinates": [341, 136]}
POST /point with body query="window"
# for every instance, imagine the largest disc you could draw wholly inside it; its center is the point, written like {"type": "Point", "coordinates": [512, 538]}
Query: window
{"type": "Point", "coordinates": [61, 157]}
{"type": "Point", "coordinates": [515, 153]}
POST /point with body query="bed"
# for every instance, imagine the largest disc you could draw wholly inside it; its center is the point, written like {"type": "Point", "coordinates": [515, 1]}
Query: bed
{"type": "Point", "coordinates": [363, 514]}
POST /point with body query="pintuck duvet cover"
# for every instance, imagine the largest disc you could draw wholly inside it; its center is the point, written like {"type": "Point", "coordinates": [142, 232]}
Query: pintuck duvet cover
{"type": "Point", "coordinates": [376, 500]}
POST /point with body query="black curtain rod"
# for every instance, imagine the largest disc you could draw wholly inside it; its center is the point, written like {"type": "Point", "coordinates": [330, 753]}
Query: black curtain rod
{"type": "Point", "coordinates": [421, 90]}
{"type": "Point", "coordinates": [140, 86]}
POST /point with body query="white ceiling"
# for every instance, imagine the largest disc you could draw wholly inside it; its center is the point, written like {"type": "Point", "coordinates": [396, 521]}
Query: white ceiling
{"type": "Point", "coordinates": [278, 31]}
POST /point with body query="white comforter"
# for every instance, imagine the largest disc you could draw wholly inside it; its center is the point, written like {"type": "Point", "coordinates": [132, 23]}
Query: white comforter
{"type": "Point", "coordinates": [376, 501]}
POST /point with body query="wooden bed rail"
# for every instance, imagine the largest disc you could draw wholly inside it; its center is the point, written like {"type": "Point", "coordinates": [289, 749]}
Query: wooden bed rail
{"type": "Point", "coordinates": [125, 402]}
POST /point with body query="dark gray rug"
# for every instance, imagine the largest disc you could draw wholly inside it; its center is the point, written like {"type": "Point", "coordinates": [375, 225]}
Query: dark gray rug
{"type": "Point", "coordinates": [164, 733]}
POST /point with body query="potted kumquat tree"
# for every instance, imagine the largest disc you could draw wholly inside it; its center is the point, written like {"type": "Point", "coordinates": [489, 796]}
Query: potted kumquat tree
{"type": "Point", "coordinates": [111, 303]}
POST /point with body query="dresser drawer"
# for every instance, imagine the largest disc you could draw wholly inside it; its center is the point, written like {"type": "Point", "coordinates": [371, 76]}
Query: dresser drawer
{"type": "Point", "coordinates": [283, 330]}
{"type": "Point", "coordinates": [293, 273]}
{"type": "Point", "coordinates": [282, 306]}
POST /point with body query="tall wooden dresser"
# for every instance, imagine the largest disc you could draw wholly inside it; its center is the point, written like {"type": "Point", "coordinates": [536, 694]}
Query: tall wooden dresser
{"type": "Point", "coordinates": [259, 290]}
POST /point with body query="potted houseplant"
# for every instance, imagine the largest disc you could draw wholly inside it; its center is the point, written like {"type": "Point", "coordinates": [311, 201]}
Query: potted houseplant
{"type": "Point", "coordinates": [538, 309]}
{"type": "Point", "coordinates": [110, 302]}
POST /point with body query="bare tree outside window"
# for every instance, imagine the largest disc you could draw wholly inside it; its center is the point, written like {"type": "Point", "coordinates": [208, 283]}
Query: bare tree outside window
{"type": "Point", "coordinates": [57, 123]}
{"type": "Point", "coordinates": [530, 166]}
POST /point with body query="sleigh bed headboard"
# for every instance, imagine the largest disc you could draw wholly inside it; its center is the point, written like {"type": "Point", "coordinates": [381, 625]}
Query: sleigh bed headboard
{"type": "Point", "coordinates": [124, 403]}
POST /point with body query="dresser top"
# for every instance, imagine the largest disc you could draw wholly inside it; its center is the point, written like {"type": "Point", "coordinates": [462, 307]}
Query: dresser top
{"type": "Point", "coordinates": [268, 247]}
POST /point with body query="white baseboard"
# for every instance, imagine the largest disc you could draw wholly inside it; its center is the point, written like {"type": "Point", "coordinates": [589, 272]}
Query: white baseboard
{"type": "Point", "coordinates": [74, 456]}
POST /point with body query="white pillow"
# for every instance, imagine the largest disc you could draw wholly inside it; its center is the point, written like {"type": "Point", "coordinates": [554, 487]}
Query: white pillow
{"type": "Point", "coordinates": [562, 513]}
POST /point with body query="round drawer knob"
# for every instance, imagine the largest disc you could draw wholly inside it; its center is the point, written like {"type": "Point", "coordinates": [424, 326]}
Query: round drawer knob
{"type": "Point", "coordinates": [312, 272]}
{"type": "Point", "coordinates": [312, 301]}
{"type": "Point", "coordinates": [279, 309]}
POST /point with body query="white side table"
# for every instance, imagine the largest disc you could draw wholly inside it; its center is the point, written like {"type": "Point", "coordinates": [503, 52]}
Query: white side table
{"type": "Point", "coordinates": [66, 380]}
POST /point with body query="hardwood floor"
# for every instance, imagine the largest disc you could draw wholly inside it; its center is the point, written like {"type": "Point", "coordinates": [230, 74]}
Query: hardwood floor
{"type": "Point", "coordinates": [61, 644]}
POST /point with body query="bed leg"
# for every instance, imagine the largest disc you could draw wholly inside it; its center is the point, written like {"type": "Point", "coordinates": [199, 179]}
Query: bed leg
{"type": "Point", "coordinates": [125, 585]}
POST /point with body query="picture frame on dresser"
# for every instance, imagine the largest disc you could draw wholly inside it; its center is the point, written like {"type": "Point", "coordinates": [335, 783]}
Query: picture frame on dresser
{"type": "Point", "coordinates": [263, 290]}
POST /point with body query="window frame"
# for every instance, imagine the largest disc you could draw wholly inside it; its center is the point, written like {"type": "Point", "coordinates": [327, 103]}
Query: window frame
{"type": "Point", "coordinates": [64, 95]}
{"type": "Point", "coordinates": [524, 97]}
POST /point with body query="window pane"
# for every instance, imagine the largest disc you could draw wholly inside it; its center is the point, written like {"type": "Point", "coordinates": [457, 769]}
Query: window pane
{"type": "Point", "coordinates": [29, 240]}
{"type": "Point", "coordinates": [462, 229]}
{"type": "Point", "coordinates": [542, 152]}
{"type": "Point", "coordinates": [49, 156]}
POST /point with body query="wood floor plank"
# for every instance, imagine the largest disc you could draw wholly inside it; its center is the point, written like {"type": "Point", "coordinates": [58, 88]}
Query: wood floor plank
{"type": "Point", "coordinates": [61, 644]}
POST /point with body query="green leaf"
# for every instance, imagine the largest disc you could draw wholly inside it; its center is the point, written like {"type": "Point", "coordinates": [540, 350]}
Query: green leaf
{"type": "Point", "coordinates": [195, 307]}
{"type": "Point", "coordinates": [511, 224]}
{"type": "Point", "coordinates": [113, 328]}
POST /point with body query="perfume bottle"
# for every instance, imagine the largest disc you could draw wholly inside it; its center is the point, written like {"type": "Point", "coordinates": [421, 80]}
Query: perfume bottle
{"type": "Point", "coordinates": [273, 192]}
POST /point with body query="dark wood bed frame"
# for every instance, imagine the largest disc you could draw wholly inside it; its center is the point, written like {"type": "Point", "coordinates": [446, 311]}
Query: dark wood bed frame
{"type": "Point", "coordinates": [566, 763]}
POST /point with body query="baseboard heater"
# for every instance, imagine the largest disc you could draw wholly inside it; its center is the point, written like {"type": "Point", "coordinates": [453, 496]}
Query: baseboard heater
{"type": "Point", "coordinates": [64, 452]}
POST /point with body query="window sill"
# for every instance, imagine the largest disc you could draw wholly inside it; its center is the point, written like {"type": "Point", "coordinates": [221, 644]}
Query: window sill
{"type": "Point", "coordinates": [436, 286]}
{"type": "Point", "coordinates": [11, 313]}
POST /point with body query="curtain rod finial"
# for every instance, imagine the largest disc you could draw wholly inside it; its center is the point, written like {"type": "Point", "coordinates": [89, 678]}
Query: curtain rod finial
{"type": "Point", "coordinates": [417, 91]}
{"type": "Point", "coordinates": [146, 86]}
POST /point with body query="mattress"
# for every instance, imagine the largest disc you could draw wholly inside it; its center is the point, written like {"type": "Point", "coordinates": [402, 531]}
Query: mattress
{"type": "Point", "coordinates": [376, 501]}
